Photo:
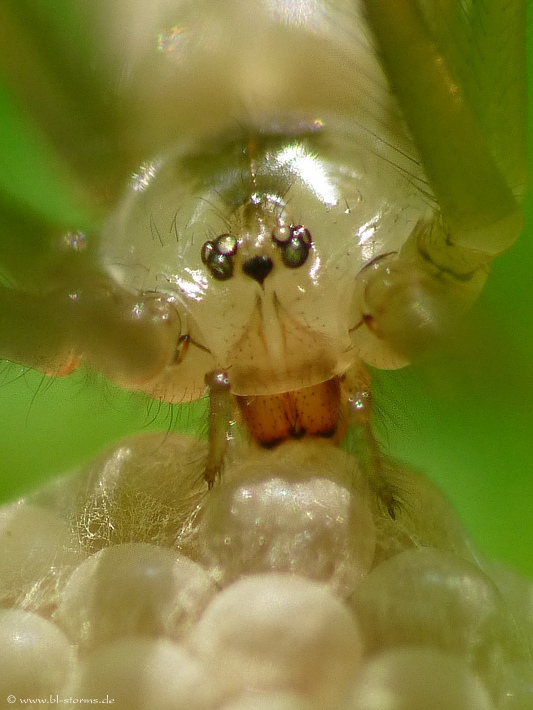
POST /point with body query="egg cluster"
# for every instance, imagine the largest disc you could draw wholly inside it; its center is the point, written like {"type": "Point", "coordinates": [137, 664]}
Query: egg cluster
{"type": "Point", "coordinates": [286, 587]}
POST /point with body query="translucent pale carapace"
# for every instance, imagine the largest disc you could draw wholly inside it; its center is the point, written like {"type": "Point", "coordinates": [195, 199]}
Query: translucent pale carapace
{"type": "Point", "coordinates": [282, 190]}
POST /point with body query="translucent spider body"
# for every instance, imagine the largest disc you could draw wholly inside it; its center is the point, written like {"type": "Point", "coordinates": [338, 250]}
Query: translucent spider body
{"type": "Point", "coordinates": [315, 186]}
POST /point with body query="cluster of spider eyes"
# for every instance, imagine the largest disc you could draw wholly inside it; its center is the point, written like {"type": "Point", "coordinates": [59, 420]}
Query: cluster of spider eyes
{"type": "Point", "coordinates": [294, 243]}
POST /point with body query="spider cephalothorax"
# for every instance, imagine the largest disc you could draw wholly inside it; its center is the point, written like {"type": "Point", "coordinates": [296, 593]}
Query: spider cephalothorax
{"type": "Point", "coordinates": [278, 195]}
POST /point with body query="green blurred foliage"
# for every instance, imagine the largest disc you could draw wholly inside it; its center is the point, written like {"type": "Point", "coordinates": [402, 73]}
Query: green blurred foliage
{"type": "Point", "coordinates": [464, 419]}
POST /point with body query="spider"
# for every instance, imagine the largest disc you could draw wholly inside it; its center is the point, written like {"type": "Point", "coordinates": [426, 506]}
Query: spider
{"type": "Point", "coordinates": [273, 213]}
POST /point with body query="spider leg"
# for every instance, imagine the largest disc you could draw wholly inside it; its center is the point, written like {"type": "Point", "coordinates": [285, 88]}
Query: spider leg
{"type": "Point", "coordinates": [220, 414]}
{"type": "Point", "coordinates": [358, 397]}
{"type": "Point", "coordinates": [455, 136]}
{"type": "Point", "coordinates": [440, 59]}
{"type": "Point", "coordinates": [127, 337]}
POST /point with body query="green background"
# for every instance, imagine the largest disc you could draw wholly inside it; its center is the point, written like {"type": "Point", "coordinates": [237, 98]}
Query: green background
{"type": "Point", "coordinates": [466, 420]}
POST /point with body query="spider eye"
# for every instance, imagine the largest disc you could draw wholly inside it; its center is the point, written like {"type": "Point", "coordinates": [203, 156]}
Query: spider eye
{"type": "Point", "coordinates": [217, 256]}
{"type": "Point", "coordinates": [295, 246]}
{"type": "Point", "coordinates": [226, 244]}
